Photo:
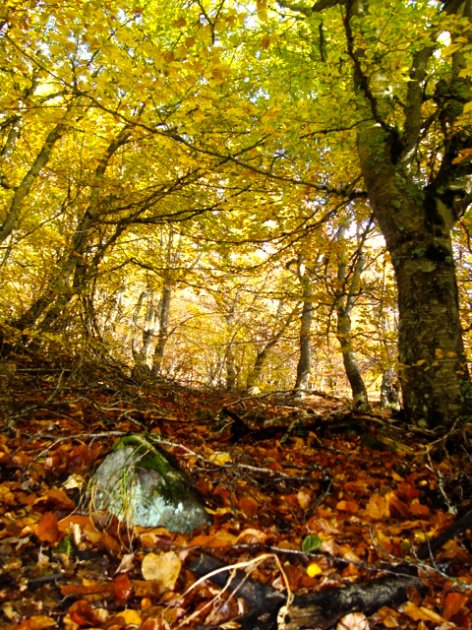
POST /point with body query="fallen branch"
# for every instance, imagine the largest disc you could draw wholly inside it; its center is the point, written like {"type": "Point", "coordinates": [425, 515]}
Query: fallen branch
{"type": "Point", "coordinates": [267, 610]}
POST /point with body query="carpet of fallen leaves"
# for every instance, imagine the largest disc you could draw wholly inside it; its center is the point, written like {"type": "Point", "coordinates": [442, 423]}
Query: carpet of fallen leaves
{"type": "Point", "coordinates": [302, 512]}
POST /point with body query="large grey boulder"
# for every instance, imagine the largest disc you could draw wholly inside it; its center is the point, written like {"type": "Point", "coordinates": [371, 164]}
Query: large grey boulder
{"type": "Point", "coordinates": [137, 483]}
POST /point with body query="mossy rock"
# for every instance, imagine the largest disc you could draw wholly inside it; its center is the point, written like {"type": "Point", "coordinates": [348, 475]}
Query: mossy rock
{"type": "Point", "coordinates": [137, 483]}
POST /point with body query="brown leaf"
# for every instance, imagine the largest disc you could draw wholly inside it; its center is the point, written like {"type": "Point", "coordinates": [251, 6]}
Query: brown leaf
{"type": "Point", "coordinates": [453, 602]}
{"type": "Point", "coordinates": [82, 614]}
{"type": "Point", "coordinates": [46, 530]}
{"type": "Point", "coordinates": [249, 506]}
{"type": "Point", "coordinates": [122, 587]}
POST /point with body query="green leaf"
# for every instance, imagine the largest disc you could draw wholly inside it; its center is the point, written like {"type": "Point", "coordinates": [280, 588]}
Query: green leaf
{"type": "Point", "coordinates": [311, 543]}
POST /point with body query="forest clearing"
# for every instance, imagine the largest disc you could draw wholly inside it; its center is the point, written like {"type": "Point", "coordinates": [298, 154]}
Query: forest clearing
{"type": "Point", "coordinates": [236, 314]}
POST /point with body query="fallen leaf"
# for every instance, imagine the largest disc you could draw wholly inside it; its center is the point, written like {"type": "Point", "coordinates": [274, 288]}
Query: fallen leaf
{"type": "Point", "coordinates": [36, 622]}
{"type": "Point", "coordinates": [453, 602]}
{"type": "Point", "coordinates": [304, 499]}
{"type": "Point", "coordinates": [252, 536]}
{"type": "Point", "coordinates": [353, 621]}
{"type": "Point", "coordinates": [82, 614]}
{"type": "Point", "coordinates": [348, 506]}
{"type": "Point", "coordinates": [313, 569]}
{"type": "Point", "coordinates": [122, 587]}
{"type": "Point", "coordinates": [164, 567]}
{"type": "Point", "coordinates": [377, 509]}
{"type": "Point", "coordinates": [220, 458]}
{"type": "Point", "coordinates": [130, 617]}
{"type": "Point", "coordinates": [420, 613]}
{"type": "Point", "coordinates": [126, 563]}
{"type": "Point", "coordinates": [47, 530]}
{"type": "Point", "coordinates": [249, 506]}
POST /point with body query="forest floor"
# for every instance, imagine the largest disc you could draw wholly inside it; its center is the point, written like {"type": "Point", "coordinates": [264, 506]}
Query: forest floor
{"type": "Point", "coordinates": [303, 497]}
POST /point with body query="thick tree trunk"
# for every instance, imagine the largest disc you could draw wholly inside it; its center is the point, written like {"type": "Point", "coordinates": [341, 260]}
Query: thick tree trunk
{"type": "Point", "coordinates": [432, 359]}
{"type": "Point", "coordinates": [416, 217]}
{"type": "Point", "coordinates": [416, 227]}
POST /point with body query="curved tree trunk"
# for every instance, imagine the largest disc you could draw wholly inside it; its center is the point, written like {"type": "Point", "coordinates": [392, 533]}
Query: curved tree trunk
{"type": "Point", "coordinates": [71, 276]}
{"type": "Point", "coordinates": [346, 292]}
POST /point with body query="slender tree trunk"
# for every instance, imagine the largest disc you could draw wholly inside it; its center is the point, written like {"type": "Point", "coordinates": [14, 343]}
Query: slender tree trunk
{"type": "Point", "coordinates": [304, 360]}
{"type": "Point", "coordinates": [24, 188]}
{"type": "Point", "coordinates": [263, 353]}
{"type": "Point", "coordinates": [351, 367]}
{"type": "Point", "coordinates": [70, 277]}
{"type": "Point", "coordinates": [163, 323]}
{"type": "Point", "coordinates": [346, 292]}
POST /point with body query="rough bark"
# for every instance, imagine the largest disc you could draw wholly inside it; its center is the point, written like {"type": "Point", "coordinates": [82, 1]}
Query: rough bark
{"type": "Point", "coordinates": [416, 220]}
{"type": "Point", "coordinates": [304, 361]}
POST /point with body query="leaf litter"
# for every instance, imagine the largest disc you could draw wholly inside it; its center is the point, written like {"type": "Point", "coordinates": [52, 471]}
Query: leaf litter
{"type": "Point", "coordinates": [301, 510]}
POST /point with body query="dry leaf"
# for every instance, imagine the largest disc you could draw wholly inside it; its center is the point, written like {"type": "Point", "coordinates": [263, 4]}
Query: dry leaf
{"type": "Point", "coordinates": [163, 567]}
{"type": "Point", "coordinates": [131, 617]}
{"type": "Point", "coordinates": [353, 621]}
{"type": "Point", "coordinates": [453, 602]}
{"type": "Point", "coordinates": [420, 613]}
{"type": "Point", "coordinates": [304, 499]}
{"type": "Point", "coordinates": [46, 530]}
{"type": "Point", "coordinates": [220, 458]}
{"type": "Point", "coordinates": [377, 508]}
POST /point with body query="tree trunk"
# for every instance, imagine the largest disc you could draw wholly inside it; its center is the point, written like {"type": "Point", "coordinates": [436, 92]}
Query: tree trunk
{"type": "Point", "coordinates": [304, 360]}
{"type": "Point", "coordinates": [354, 376]}
{"type": "Point", "coordinates": [163, 323]}
{"type": "Point", "coordinates": [71, 275]}
{"type": "Point", "coordinates": [346, 292]}
{"type": "Point", "coordinates": [416, 219]}
{"type": "Point", "coordinates": [433, 368]}
{"type": "Point", "coordinates": [432, 359]}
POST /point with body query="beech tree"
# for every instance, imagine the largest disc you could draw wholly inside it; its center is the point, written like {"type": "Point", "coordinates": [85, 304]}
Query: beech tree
{"type": "Point", "coordinates": [410, 108]}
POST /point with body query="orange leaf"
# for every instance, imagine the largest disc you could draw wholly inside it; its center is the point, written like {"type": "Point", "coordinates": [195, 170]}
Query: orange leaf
{"type": "Point", "coordinates": [122, 587]}
{"type": "Point", "coordinates": [453, 602]}
{"type": "Point", "coordinates": [418, 509]}
{"type": "Point", "coordinates": [377, 508]}
{"type": "Point", "coordinates": [420, 613]}
{"type": "Point", "coordinates": [218, 540]}
{"type": "Point", "coordinates": [37, 622]}
{"type": "Point", "coordinates": [82, 614]}
{"type": "Point", "coordinates": [46, 530]}
{"type": "Point", "coordinates": [58, 497]}
{"type": "Point", "coordinates": [252, 536]}
{"type": "Point", "coordinates": [348, 506]}
{"type": "Point", "coordinates": [249, 506]}
{"type": "Point", "coordinates": [74, 519]}
{"type": "Point", "coordinates": [397, 506]}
